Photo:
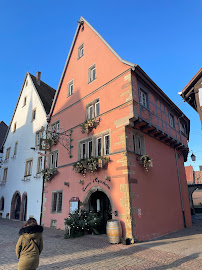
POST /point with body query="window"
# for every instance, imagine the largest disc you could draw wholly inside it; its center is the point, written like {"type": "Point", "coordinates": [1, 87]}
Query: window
{"type": "Point", "coordinates": [15, 149]}
{"type": "Point", "coordinates": [28, 167]}
{"type": "Point", "coordinates": [93, 109]}
{"type": "Point", "coordinates": [39, 164]}
{"type": "Point", "coordinates": [33, 114]}
{"type": "Point", "coordinates": [70, 88]}
{"type": "Point", "coordinates": [183, 128]}
{"type": "Point", "coordinates": [25, 100]}
{"type": "Point", "coordinates": [106, 145]}
{"type": "Point", "coordinates": [55, 127]}
{"type": "Point", "coordinates": [8, 150]}
{"type": "Point", "coordinates": [81, 51]}
{"type": "Point", "coordinates": [97, 109]}
{"type": "Point", "coordinates": [143, 98]}
{"type": "Point", "coordinates": [14, 127]}
{"type": "Point", "coordinates": [56, 202]}
{"type": "Point", "coordinates": [98, 146]}
{"type": "Point", "coordinates": [92, 73]}
{"type": "Point", "coordinates": [90, 112]}
{"type": "Point", "coordinates": [2, 204]}
{"type": "Point", "coordinates": [171, 120]}
{"type": "Point", "coordinates": [138, 144]}
{"type": "Point", "coordinates": [5, 174]}
{"type": "Point", "coordinates": [83, 150]}
{"type": "Point", "coordinates": [53, 160]}
{"type": "Point", "coordinates": [90, 148]}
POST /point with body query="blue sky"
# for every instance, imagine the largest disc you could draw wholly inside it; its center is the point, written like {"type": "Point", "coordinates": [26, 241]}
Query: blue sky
{"type": "Point", "coordinates": [162, 36]}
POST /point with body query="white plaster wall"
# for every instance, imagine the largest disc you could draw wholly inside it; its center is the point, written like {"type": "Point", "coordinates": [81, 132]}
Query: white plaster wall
{"type": "Point", "coordinates": [25, 135]}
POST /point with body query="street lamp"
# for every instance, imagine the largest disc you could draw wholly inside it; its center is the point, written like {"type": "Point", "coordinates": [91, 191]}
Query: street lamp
{"type": "Point", "coordinates": [193, 157]}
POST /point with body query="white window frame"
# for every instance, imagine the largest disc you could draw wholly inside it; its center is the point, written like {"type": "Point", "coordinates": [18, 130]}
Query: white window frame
{"type": "Point", "coordinates": [53, 160]}
{"type": "Point", "coordinates": [88, 149]}
{"type": "Point", "coordinates": [56, 210]}
{"type": "Point", "coordinates": [97, 104]}
{"type": "Point", "coordinates": [70, 88]}
{"type": "Point", "coordinates": [25, 101]}
{"type": "Point", "coordinates": [91, 73]}
{"type": "Point", "coordinates": [39, 164]}
{"type": "Point", "coordinates": [81, 51]}
{"type": "Point", "coordinates": [28, 167]}
{"type": "Point", "coordinates": [89, 112]}
{"type": "Point", "coordinates": [143, 98]}
{"type": "Point", "coordinates": [105, 149]}
{"type": "Point", "coordinates": [97, 144]}
{"type": "Point", "coordinates": [82, 146]}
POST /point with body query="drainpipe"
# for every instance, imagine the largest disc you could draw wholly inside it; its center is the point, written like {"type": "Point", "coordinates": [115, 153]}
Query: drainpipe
{"type": "Point", "coordinates": [180, 187]}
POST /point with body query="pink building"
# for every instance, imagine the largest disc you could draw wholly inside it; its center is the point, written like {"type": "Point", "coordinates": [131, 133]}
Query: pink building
{"type": "Point", "coordinates": [137, 126]}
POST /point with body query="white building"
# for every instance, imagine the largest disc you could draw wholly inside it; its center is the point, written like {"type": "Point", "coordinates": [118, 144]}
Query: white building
{"type": "Point", "coordinates": [21, 183]}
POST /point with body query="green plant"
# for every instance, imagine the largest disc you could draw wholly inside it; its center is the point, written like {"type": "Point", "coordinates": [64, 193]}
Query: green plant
{"type": "Point", "coordinates": [89, 124]}
{"type": "Point", "coordinates": [82, 221]}
{"type": "Point", "coordinates": [91, 164]}
{"type": "Point", "coordinates": [48, 173]}
{"type": "Point", "coordinates": [146, 161]}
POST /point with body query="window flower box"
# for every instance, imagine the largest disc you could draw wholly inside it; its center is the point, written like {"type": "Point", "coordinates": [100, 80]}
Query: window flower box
{"type": "Point", "coordinates": [90, 164]}
{"type": "Point", "coordinates": [146, 161]}
{"type": "Point", "coordinates": [49, 173]}
{"type": "Point", "coordinates": [89, 124]}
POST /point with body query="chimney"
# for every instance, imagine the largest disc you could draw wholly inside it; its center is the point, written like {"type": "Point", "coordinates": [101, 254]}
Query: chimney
{"type": "Point", "coordinates": [200, 168]}
{"type": "Point", "coordinates": [38, 77]}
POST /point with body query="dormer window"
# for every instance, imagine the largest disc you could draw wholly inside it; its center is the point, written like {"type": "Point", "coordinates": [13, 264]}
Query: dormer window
{"type": "Point", "coordinates": [80, 51]}
{"type": "Point", "coordinates": [92, 73]}
{"type": "Point", "coordinates": [70, 88]}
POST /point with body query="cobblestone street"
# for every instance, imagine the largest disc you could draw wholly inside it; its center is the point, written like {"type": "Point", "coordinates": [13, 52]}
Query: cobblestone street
{"type": "Point", "coordinates": [179, 250]}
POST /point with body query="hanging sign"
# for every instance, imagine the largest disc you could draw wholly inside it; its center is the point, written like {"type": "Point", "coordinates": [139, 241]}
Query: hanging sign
{"type": "Point", "coordinates": [45, 145]}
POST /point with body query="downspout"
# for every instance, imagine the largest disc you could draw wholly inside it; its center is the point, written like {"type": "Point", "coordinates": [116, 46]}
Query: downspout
{"type": "Point", "coordinates": [180, 187]}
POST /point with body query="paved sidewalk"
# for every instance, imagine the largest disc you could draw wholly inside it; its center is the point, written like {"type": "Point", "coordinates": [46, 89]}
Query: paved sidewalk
{"type": "Point", "coordinates": [179, 250]}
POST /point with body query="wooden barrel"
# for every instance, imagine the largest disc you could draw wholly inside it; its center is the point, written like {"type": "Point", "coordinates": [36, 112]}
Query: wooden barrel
{"type": "Point", "coordinates": [114, 231]}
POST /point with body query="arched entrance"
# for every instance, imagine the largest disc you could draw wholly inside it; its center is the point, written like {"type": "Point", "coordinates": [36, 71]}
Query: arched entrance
{"type": "Point", "coordinates": [15, 206]}
{"type": "Point", "coordinates": [24, 207]}
{"type": "Point", "coordinates": [98, 202]}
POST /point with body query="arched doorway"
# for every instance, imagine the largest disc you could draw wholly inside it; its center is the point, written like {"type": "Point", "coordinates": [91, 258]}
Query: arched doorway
{"type": "Point", "coordinates": [100, 203]}
{"type": "Point", "coordinates": [15, 206]}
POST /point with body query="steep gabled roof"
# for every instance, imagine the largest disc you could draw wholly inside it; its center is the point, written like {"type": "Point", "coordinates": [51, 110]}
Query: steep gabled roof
{"type": "Point", "coordinates": [70, 52]}
{"type": "Point", "coordinates": [3, 130]}
{"type": "Point", "coordinates": [46, 93]}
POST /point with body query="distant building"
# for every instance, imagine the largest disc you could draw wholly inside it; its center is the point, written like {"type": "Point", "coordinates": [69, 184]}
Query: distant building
{"type": "Point", "coordinates": [21, 182]}
{"type": "Point", "coordinates": [3, 130]}
{"type": "Point", "coordinates": [192, 93]}
{"type": "Point", "coordinates": [194, 180]}
{"type": "Point", "coordinates": [106, 107]}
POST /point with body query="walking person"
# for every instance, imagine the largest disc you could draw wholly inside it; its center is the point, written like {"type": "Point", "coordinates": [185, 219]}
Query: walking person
{"type": "Point", "coordinates": [29, 245]}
